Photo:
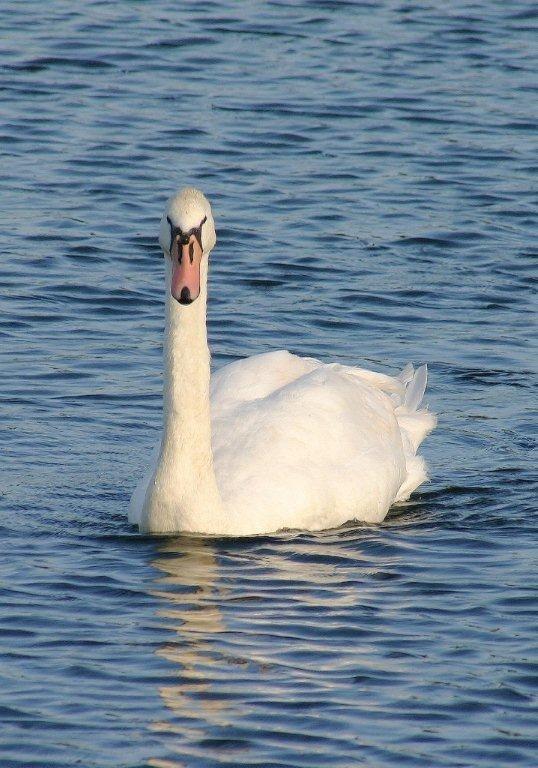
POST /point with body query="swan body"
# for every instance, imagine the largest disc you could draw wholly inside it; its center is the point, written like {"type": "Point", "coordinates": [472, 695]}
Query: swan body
{"type": "Point", "coordinates": [273, 441]}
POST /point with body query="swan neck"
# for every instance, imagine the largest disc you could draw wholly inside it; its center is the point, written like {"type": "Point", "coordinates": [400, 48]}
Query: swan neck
{"type": "Point", "coordinates": [186, 360]}
{"type": "Point", "coordinates": [183, 495]}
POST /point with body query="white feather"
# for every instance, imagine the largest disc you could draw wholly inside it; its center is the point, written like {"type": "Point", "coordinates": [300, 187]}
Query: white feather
{"type": "Point", "coordinates": [414, 391]}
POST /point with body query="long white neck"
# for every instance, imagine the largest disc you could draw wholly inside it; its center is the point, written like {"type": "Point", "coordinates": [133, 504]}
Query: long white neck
{"type": "Point", "coordinates": [183, 495]}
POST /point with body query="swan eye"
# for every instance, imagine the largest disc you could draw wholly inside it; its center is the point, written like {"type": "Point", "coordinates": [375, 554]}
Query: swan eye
{"type": "Point", "coordinates": [184, 237]}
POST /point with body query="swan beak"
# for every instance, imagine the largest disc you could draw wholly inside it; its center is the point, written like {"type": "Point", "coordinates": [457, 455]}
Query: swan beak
{"type": "Point", "coordinates": [186, 260]}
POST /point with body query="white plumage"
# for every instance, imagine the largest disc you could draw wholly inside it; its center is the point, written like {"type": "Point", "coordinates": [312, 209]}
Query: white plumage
{"type": "Point", "coordinates": [276, 441]}
{"type": "Point", "coordinates": [300, 444]}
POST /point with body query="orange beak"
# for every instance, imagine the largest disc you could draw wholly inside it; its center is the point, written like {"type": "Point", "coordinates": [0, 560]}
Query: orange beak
{"type": "Point", "coordinates": [186, 260]}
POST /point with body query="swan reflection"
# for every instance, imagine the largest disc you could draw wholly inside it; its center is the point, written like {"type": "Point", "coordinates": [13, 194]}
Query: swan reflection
{"type": "Point", "coordinates": [243, 638]}
{"type": "Point", "coordinates": [189, 585]}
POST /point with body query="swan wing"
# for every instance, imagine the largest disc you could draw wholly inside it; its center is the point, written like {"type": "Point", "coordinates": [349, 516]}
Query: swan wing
{"type": "Point", "coordinates": [256, 377]}
{"type": "Point", "coordinates": [324, 447]}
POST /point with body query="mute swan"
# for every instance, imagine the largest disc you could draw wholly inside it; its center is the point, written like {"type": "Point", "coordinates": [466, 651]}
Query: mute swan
{"type": "Point", "coordinates": [274, 441]}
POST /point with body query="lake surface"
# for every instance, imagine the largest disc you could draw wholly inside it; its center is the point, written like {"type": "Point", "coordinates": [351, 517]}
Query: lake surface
{"type": "Point", "coordinates": [372, 169]}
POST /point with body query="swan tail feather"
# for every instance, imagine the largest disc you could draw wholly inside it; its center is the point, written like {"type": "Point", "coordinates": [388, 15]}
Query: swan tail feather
{"type": "Point", "coordinates": [415, 423]}
{"type": "Point", "coordinates": [416, 475]}
{"type": "Point", "coordinates": [415, 386]}
{"type": "Point", "coordinates": [406, 374]}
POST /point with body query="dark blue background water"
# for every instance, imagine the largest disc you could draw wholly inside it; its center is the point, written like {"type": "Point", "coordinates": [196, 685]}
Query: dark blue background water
{"type": "Point", "coordinates": [371, 167]}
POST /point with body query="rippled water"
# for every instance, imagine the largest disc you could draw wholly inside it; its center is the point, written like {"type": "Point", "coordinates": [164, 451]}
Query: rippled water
{"type": "Point", "coordinates": [371, 167]}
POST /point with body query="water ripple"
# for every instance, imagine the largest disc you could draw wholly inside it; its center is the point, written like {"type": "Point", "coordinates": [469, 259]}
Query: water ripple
{"type": "Point", "coordinates": [371, 169]}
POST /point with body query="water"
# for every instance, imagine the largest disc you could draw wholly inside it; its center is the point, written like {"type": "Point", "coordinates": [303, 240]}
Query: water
{"type": "Point", "coordinates": [371, 168]}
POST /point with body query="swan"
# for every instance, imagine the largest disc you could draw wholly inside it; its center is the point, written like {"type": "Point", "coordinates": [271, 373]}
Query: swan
{"type": "Point", "coordinates": [275, 441]}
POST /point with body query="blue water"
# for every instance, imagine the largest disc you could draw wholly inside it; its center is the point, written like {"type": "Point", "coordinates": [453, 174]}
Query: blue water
{"type": "Point", "coordinates": [372, 169]}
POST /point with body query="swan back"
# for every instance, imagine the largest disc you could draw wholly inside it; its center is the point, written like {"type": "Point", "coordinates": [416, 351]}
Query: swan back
{"type": "Point", "coordinates": [302, 444]}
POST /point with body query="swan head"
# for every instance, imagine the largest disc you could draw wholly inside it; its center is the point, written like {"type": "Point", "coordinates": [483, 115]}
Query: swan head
{"type": "Point", "coordinates": [187, 235]}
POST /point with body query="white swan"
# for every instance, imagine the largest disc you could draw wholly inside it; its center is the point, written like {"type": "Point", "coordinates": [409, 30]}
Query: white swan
{"type": "Point", "coordinates": [274, 441]}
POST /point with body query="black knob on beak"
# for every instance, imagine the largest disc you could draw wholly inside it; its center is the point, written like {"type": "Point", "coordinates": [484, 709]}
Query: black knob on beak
{"type": "Point", "coordinates": [185, 296]}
